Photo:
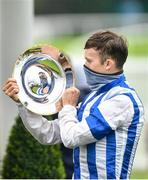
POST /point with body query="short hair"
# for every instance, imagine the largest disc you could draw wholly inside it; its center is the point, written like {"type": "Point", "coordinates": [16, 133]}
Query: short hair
{"type": "Point", "coordinates": [109, 45]}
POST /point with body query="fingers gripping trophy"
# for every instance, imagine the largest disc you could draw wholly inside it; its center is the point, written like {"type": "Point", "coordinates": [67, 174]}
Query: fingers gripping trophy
{"type": "Point", "coordinates": [41, 75]}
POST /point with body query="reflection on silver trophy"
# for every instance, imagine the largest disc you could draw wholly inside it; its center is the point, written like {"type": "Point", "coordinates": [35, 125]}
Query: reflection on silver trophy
{"type": "Point", "coordinates": [42, 79]}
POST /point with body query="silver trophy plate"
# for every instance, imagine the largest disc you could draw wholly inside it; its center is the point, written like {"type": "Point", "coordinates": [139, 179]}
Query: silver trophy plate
{"type": "Point", "coordinates": [42, 80]}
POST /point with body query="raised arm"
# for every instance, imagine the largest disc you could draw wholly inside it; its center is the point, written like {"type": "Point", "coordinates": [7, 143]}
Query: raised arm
{"type": "Point", "coordinates": [46, 132]}
{"type": "Point", "coordinates": [95, 124]}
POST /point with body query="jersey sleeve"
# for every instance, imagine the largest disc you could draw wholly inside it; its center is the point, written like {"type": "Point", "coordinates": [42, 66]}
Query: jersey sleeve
{"type": "Point", "coordinates": [101, 121]}
{"type": "Point", "coordinates": [46, 132]}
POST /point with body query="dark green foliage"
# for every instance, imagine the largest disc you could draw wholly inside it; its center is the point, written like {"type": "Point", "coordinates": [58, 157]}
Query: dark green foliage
{"type": "Point", "coordinates": [27, 159]}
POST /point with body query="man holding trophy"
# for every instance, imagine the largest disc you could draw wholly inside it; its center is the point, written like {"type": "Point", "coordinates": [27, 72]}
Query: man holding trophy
{"type": "Point", "coordinates": [105, 127]}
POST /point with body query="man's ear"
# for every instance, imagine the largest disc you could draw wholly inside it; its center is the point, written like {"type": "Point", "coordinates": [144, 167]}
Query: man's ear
{"type": "Point", "coordinates": [109, 64]}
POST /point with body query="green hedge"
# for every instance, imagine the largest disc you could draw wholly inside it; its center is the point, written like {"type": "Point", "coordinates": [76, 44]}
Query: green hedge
{"type": "Point", "coordinates": [27, 159]}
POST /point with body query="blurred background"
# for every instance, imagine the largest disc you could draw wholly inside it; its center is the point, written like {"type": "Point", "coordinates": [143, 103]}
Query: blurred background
{"type": "Point", "coordinates": [67, 25]}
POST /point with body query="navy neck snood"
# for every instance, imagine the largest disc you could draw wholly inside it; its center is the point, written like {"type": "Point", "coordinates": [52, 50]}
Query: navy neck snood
{"type": "Point", "coordinates": [97, 80]}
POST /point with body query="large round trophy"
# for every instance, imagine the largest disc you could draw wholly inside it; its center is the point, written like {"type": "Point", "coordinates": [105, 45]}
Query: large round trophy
{"type": "Point", "coordinates": [42, 74]}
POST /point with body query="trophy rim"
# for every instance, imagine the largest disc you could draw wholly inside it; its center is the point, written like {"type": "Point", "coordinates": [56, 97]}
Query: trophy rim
{"type": "Point", "coordinates": [51, 106]}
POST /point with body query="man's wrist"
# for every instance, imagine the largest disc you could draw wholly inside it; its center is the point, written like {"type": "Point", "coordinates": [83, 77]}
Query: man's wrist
{"type": "Point", "coordinates": [68, 108]}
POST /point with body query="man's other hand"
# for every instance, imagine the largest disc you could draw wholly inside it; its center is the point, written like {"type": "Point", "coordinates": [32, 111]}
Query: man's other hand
{"type": "Point", "coordinates": [71, 96]}
{"type": "Point", "coordinates": [11, 89]}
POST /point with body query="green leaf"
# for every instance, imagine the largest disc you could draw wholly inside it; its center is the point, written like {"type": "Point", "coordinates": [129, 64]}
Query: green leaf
{"type": "Point", "coordinates": [51, 65]}
{"type": "Point", "coordinates": [34, 89]}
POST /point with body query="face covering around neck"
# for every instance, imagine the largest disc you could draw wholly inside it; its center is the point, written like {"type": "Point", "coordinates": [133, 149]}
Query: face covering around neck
{"type": "Point", "coordinates": [97, 80]}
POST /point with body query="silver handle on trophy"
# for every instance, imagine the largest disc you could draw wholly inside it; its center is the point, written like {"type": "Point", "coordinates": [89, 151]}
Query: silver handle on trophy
{"type": "Point", "coordinates": [43, 78]}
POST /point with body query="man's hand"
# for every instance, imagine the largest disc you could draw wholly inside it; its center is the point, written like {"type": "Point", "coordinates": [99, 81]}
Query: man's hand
{"type": "Point", "coordinates": [52, 51]}
{"type": "Point", "coordinates": [11, 89]}
{"type": "Point", "coordinates": [71, 96]}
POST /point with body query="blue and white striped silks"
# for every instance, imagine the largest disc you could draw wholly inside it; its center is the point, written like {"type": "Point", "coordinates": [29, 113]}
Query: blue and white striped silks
{"type": "Point", "coordinates": [114, 116]}
{"type": "Point", "coordinates": [104, 132]}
